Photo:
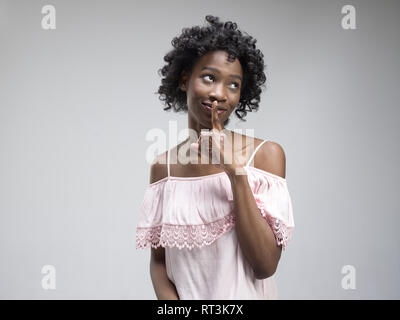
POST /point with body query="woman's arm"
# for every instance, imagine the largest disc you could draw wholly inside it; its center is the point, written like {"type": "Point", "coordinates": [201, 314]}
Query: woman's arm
{"type": "Point", "coordinates": [254, 234]}
{"type": "Point", "coordinates": [164, 288]}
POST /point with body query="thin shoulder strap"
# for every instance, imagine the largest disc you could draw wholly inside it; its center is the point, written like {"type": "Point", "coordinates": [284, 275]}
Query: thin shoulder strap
{"type": "Point", "coordinates": [254, 153]}
{"type": "Point", "coordinates": [168, 162]}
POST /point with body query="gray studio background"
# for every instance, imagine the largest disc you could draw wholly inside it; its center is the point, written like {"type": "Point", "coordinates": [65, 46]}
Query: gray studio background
{"type": "Point", "coordinates": [76, 104]}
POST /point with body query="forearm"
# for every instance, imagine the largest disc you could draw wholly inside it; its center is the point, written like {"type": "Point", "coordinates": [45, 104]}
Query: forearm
{"type": "Point", "coordinates": [163, 287]}
{"type": "Point", "coordinates": [254, 234]}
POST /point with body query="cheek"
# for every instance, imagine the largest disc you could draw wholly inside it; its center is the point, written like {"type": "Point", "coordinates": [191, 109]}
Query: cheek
{"type": "Point", "coordinates": [199, 89]}
{"type": "Point", "coordinates": [234, 100]}
{"type": "Point", "coordinates": [197, 92]}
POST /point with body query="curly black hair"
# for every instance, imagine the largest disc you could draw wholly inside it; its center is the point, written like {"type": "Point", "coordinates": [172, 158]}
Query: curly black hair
{"type": "Point", "coordinates": [195, 42]}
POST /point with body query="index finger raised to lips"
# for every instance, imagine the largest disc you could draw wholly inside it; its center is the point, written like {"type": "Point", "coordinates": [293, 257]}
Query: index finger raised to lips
{"type": "Point", "coordinates": [216, 122]}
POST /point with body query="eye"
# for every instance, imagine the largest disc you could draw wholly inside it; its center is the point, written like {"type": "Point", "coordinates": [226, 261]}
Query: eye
{"type": "Point", "coordinates": [208, 75]}
{"type": "Point", "coordinates": [237, 84]}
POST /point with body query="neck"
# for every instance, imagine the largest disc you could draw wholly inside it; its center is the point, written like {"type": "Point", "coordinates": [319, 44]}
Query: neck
{"type": "Point", "coordinates": [197, 127]}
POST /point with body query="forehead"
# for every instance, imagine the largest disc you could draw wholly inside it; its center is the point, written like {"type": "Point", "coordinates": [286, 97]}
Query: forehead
{"type": "Point", "coordinates": [219, 60]}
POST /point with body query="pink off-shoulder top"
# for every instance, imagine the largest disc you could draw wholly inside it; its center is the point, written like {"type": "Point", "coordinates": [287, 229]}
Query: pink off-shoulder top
{"type": "Point", "coordinates": [193, 218]}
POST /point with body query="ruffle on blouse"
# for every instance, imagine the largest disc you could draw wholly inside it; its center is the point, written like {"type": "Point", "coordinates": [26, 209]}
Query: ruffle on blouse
{"type": "Point", "coordinates": [273, 199]}
{"type": "Point", "coordinates": [188, 212]}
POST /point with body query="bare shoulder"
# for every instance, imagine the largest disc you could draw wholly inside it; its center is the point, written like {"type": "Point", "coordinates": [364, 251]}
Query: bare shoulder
{"type": "Point", "coordinates": [158, 169]}
{"type": "Point", "coordinates": [159, 166]}
{"type": "Point", "coordinates": [271, 158]}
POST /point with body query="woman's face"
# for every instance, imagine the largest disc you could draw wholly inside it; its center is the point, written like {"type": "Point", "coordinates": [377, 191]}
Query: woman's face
{"type": "Point", "coordinates": [212, 78]}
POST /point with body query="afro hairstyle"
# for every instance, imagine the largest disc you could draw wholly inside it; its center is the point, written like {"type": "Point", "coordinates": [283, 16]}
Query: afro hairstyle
{"type": "Point", "coordinates": [196, 41]}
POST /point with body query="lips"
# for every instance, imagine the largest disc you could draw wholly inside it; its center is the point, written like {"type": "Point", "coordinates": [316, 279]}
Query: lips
{"type": "Point", "coordinates": [207, 107]}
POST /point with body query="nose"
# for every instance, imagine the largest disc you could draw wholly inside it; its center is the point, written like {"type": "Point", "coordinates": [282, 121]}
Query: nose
{"type": "Point", "coordinates": [218, 92]}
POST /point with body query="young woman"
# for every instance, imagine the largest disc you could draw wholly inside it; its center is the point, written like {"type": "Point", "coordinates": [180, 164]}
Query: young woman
{"type": "Point", "coordinates": [216, 229]}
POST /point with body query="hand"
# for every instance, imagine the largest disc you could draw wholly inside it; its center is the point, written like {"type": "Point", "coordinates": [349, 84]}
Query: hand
{"type": "Point", "coordinates": [218, 144]}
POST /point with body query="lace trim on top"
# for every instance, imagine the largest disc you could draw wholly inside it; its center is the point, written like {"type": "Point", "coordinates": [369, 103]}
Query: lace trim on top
{"type": "Point", "coordinates": [190, 236]}
{"type": "Point", "coordinates": [182, 236]}
{"type": "Point", "coordinates": [283, 234]}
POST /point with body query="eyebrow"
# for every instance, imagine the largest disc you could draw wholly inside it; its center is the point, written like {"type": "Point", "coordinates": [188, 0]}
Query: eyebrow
{"type": "Point", "coordinates": [216, 70]}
